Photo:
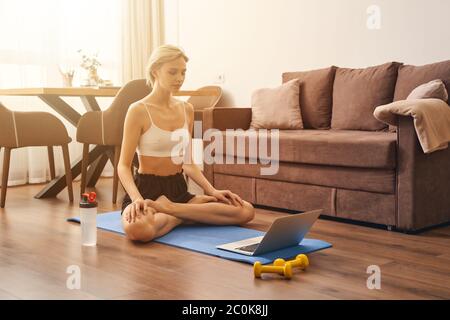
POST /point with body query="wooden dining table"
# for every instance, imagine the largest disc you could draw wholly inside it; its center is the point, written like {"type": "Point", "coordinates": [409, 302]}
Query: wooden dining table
{"type": "Point", "coordinates": [88, 95]}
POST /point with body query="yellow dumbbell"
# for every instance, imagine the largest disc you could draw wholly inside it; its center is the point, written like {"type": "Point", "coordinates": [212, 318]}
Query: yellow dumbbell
{"type": "Point", "coordinates": [285, 270]}
{"type": "Point", "coordinates": [300, 261]}
{"type": "Point", "coordinates": [279, 262]}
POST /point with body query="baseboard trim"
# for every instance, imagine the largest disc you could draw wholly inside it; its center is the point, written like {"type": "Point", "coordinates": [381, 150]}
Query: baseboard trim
{"type": "Point", "coordinates": [358, 223]}
{"type": "Point", "coordinates": [330, 218]}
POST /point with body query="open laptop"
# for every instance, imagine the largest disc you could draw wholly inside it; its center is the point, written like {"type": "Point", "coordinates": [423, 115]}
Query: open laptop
{"type": "Point", "coordinates": [284, 232]}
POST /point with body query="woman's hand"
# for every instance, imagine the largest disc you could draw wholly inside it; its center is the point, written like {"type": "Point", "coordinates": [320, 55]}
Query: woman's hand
{"type": "Point", "coordinates": [138, 209]}
{"type": "Point", "coordinates": [228, 197]}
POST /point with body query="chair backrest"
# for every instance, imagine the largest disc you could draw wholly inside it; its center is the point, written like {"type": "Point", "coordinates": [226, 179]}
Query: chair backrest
{"type": "Point", "coordinates": [30, 128]}
{"type": "Point", "coordinates": [7, 135]}
{"type": "Point", "coordinates": [203, 102]}
{"type": "Point", "coordinates": [4, 110]}
{"type": "Point", "coordinates": [114, 116]}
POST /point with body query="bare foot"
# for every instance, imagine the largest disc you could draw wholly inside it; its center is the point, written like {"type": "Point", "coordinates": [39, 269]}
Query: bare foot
{"type": "Point", "coordinates": [163, 204]}
{"type": "Point", "coordinates": [149, 213]}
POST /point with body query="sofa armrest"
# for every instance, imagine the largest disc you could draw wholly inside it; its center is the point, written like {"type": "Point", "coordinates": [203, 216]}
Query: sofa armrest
{"type": "Point", "coordinates": [227, 118]}
{"type": "Point", "coordinates": [423, 181]}
{"type": "Point", "coordinates": [222, 119]}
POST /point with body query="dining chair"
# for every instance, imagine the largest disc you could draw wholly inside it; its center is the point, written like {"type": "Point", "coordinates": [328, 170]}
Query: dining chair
{"type": "Point", "coordinates": [105, 128]}
{"type": "Point", "coordinates": [30, 129]}
{"type": "Point", "coordinates": [201, 102]}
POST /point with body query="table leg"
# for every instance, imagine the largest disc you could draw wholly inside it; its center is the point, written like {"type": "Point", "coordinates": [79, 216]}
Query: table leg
{"type": "Point", "coordinates": [59, 183]}
{"type": "Point", "coordinates": [90, 103]}
{"type": "Point", "coordinates": [60, 106]}
{"type": "Point", "coordinates": [110, 154]}
{"type": "Point", "coordinates": [95, 170]}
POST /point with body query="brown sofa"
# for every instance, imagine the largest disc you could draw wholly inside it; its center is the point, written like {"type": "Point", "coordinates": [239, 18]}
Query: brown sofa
{"type": "Point", "coordinates": [346, 161]}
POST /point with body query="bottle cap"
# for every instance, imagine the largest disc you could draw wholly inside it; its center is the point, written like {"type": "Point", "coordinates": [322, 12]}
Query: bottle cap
{"type": "Point", "coordinates": [88, 200]}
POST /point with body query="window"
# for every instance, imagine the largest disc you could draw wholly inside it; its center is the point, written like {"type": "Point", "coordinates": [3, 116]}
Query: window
{"type": "Point", "coordinates": [38, 36]}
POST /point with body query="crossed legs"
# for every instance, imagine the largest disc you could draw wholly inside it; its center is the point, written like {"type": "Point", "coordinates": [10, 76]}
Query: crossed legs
{"type": "Point", "coordinates": [164, 215]}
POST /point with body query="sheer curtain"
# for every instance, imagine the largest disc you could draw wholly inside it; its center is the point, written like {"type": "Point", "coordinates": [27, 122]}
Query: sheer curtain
{"type": "Point", "coordinates": [36, 37]}
{"type": "Point", "coordinates": [142, 32]}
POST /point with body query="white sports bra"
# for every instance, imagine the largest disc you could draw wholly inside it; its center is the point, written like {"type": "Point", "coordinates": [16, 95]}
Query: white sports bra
{"type": "Point", "coordinates": [157, 142]}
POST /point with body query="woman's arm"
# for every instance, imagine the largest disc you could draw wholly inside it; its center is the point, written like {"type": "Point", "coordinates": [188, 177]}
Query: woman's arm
{"type": "Point", "coordinates": [193, 171]}
{"type": "Point", "coordinates": [131, 134]}
{"type": "Point", "coordinates": [189, 167]}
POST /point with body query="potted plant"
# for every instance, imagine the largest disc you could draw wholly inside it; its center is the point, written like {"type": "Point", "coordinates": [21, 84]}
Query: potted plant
{"type": "Point", "coordinates": [90, 63]}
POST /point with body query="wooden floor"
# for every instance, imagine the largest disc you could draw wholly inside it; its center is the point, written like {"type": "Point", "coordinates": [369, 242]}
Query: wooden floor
{"type": "Point", "coordinates": [37, 246]}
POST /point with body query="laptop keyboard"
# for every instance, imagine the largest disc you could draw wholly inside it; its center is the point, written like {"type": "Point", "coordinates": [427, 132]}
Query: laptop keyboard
{"type": "Point", "coordinates": [249, 248]}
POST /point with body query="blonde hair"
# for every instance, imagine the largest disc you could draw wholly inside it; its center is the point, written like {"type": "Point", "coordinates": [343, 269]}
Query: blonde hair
{"type": "Point", "coordinates": [161, 55]}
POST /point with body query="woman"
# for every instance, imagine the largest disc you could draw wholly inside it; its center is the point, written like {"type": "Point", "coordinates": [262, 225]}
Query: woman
{"type": "Point", "coordinates": [157, 199]}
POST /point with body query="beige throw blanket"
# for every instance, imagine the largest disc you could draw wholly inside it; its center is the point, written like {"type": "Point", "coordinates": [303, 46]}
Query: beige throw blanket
{"type": "Point", "coordinates": [431, 120]}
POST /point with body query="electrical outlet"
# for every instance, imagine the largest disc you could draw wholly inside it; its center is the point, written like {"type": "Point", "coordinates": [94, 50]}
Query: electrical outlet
{"type": "Point", "coordinates": [220, 78]}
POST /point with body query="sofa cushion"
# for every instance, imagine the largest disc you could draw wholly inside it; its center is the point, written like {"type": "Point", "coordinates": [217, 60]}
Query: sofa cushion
{"type": "Point", "coordinates": [410, 77]}
{"type": "Point", "coordinates": [356, 94]}
{"type": "Point", "coordinates": [277, 108]}
{"type": "Point", "coordinates": [434, 89]}
{"type": "Point", "coordinates": [349, 148]}
{"type": "Point", "coordinates": [367, 179]}
{"type": "Point", "coordinates": [315, 96]}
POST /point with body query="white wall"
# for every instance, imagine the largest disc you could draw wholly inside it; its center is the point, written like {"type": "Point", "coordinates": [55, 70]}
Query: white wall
{"type": "Point", "coordinates": [252, 42]}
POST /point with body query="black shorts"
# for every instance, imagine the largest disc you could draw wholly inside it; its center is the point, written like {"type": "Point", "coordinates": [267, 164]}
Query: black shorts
{"type": "Point", "coordinates": [152, 186]}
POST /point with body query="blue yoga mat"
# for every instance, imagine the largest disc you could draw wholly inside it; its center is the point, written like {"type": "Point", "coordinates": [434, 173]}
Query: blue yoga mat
{"type": "Point", "coordinates": [205, 238]}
